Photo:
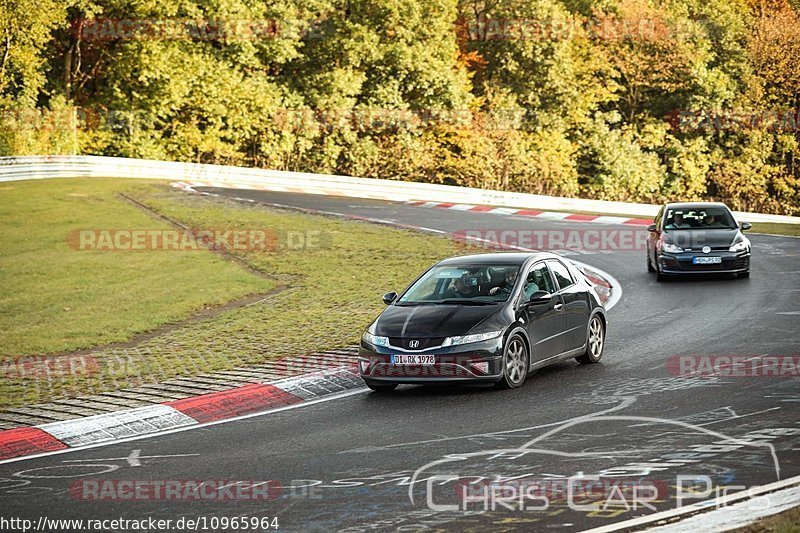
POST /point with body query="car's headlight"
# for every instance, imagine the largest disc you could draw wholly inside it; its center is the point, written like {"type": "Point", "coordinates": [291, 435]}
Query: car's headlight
{"type": "Point", "coordinates": [741, 246]}
{"type": "Point", "coordinates": [671, 248]}
{"type": "Point", "coordinates": [466, 339]}
{"type": "Point", "coordinates": [375, 340]}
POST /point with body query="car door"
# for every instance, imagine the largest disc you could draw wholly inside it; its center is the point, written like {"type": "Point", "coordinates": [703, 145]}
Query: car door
{"type": "Point", "coordinates": [576, 305]}
{"type": "Point", "coordinates": [544, 322]}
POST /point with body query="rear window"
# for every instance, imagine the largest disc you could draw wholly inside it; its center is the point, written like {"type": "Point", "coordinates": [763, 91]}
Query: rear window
{"type": "Point", "coordinates": [562, 274]}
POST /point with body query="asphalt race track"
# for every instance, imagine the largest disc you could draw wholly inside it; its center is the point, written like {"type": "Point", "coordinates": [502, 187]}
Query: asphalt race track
{"type": "Point", "coordinates": [347, 464]}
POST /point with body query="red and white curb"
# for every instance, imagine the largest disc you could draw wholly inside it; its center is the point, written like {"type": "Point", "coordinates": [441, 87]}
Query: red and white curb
{"type": "Point", "coordinates": [193, 411]}
{"type": "Point", "coordinates": [548, 215]}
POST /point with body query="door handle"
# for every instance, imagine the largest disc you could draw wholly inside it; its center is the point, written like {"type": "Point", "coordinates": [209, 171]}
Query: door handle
{"type": "Point", "coordinates": [558, 306]}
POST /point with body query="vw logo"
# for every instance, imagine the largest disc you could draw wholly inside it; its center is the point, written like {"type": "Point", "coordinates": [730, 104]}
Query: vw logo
{"type": "Point", "coordinates": [413, 344]}
{"type": "Point", "coordinates": [706, 249]}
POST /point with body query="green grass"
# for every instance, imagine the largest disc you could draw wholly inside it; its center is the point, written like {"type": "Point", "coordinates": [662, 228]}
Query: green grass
{"type": "Point", "coordinates": [776, 229]}
{"type": "Point", "coordinates": [334, 288]}
{"type": "Point", "coordinates": [55, 298]}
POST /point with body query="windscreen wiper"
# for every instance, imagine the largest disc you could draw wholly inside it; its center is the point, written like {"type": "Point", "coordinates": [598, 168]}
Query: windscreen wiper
{"type": "Point", "coordinates": [465, 301]}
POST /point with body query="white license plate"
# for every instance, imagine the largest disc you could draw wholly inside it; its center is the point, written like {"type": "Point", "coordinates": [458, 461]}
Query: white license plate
{"type": "Point", "coordinates": [412, 359]}
{"type": "Point", "coordinates": [707, 260]}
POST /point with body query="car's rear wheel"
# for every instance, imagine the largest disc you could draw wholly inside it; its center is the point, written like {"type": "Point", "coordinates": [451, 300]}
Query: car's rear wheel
{"type": "Point", "coordinates": [595, 342]}
{"type": "Point", "coordinates": [515, 363]}
{"type": "Point", "coordinates": [381, 387]}
{"type": "Point", "coordinates": [649, 264]}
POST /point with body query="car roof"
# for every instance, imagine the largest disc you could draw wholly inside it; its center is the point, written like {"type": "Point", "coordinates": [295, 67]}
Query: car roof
{"type": "Point", "coordinates": [515, 258]}
{"type": "Point", "coordinates": [694, 205]}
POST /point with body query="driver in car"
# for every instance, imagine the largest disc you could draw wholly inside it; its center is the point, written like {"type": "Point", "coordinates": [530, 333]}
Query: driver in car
{"type": "Point", "coordinates": [678, 221]}
{"type": "Point", "coordinates": [508, 285]}
{"type": "Point", "coordinates": [465, 287]}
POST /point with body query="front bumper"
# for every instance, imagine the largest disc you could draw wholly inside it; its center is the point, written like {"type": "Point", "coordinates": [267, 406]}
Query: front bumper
{"type": "Point", "coordinates": [732, 262]}
{"type": "Point", "coordinates": [451, 364]}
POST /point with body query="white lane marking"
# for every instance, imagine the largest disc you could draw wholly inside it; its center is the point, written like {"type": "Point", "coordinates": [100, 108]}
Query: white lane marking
{"type": "Point", "coordinates": [723, 502]}
{"type": "Point", "coordinates": [133, 459]}
{"type": "Point", "coordinates": [610, 220]}
{"type": "Point", "coordinates": [737, 515]}
{"type": "Point", "coordinates": [188, 428]}
{"type": "Point", "coordinates": [553, 216]}
{"type": "Point", "coordinates": [503, 211]}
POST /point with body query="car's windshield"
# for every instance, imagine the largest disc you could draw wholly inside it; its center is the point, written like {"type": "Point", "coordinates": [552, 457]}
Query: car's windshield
{"type": "Point", "coordinates": [699, 218]}
{"type": "Point", "coordinates": [463, 284]}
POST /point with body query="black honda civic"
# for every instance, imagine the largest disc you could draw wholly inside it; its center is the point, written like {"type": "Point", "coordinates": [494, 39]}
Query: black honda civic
{"type": "Point", "coordinates": [697, 237]}
{"type": "Point", "coordinates": [488, 318]}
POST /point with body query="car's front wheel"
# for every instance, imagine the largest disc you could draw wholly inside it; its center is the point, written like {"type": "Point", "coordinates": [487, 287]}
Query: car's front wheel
{"type": "Point", "coordinates": [595, 342]}
{"type": "Point", "coordinates": [515, 363]}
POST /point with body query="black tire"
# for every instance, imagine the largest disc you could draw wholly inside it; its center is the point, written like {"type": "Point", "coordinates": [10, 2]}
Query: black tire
{"type": "Point", "coordinates": [384, 388]}
{"type": "Point", "coordinates": [659, 276]}
{"type": "Point", "coordinates": [515, 363]}
{"type": "Point", "coordinates": [649, 264]}
{"type": "Point", "coordinates": [595, 342]}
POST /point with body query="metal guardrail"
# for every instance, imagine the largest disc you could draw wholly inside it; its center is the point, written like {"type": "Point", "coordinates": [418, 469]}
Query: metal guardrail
{"type": "Point", "coordinates": [49, 167]}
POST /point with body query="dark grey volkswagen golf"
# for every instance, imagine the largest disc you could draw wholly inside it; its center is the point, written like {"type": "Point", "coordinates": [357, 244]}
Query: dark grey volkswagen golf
{"type": "Point", "coordinates": [488, 318]}
{"type": "Point", "coordinates": [697, 237]}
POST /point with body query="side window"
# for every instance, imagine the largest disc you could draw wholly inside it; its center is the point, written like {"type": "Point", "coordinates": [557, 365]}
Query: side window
{"type": "Point", "coordinates": [561, 273]}
{"type": "Point", "coordinates": [538, 279]}
{"type": "Point", "coordinates": [659, 218]}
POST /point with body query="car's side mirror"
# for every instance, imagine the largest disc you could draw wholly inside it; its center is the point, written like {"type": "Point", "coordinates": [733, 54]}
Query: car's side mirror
{"type": "Point", "coordinates": [539, 297]}
{"type": "Point", "coordinates": [389, 297]}
{"type": "Point", "coordinates": [651, 228]}
{"type": "Point", "coordinates": [745, 226]}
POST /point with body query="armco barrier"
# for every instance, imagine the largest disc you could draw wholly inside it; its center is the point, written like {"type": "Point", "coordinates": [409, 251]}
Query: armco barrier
{"type": "Point", "coordinates": [46, 167]}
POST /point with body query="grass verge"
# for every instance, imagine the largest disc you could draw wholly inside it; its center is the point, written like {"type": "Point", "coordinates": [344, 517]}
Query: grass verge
{"type": "Point", "coordinates": [785, 522]}
{"type": "Point", "coordinates": [56, 298]}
